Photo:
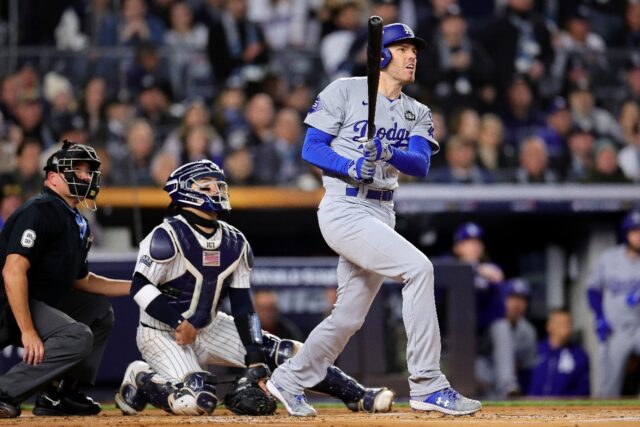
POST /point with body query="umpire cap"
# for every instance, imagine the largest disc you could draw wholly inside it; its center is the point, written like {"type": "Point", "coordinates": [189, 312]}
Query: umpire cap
{"type": "Point", "coordinates": [468, 230]}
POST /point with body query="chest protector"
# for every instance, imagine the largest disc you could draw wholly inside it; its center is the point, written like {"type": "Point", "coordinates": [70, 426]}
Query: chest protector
{"type": "Point", "coordinates": [195, 292]}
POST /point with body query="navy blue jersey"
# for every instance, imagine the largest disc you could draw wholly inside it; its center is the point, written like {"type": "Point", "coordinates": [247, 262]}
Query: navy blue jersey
{"type": "Point", "coordinates": [562, 371]}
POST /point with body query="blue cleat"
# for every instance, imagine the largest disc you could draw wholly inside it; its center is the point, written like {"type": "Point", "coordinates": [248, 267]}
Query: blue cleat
{"type": "Point", "coordinates": [447, 401]}
{"type": "Point", "coordinates": [296, 404]}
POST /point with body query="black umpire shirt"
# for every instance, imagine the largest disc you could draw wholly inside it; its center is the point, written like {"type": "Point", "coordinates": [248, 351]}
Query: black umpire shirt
{"type": "Point", "coordinates": [56, 240]}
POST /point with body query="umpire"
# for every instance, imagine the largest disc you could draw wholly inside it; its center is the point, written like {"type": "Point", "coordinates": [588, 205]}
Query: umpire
{"type": "Point", "coordinates": [50, 304]}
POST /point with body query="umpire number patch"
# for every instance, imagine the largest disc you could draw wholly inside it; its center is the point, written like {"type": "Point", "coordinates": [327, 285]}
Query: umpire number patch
{"type": "Point", "coordinates": [28, 238]}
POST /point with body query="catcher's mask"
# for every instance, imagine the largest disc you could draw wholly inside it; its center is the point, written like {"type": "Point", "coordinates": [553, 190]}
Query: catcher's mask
{"type": "Point", "coordinates": [66, 162]}
{"type": "Point", "coordinates": [210, 195]}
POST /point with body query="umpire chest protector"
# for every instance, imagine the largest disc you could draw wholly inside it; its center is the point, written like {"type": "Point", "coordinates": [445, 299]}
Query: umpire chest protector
{"type": "Point", "coordinates": [207, 264]}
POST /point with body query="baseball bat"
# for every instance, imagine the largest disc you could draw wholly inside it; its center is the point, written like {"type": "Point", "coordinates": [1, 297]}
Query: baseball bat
{"type": "Point", "coordinates": [374, 47]}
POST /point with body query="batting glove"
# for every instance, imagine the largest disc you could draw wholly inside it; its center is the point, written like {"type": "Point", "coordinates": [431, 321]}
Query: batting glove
{"type": "Point", "coordinates": [375, 149]}
{"type": "Point", "coordinates": [633, 298]}
{"type": "Point", "coordinates": [603, 330]}
{"type": "Point", "coordinates": [362, 169]}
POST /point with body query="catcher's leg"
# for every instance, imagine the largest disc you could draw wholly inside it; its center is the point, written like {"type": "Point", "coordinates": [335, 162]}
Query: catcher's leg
{"type": "Point", "coordinates": [129, 398]}
{"type": "Point", "coordinates": [196, 395]}
{"type": "Point", "coordinates": [336, 383]}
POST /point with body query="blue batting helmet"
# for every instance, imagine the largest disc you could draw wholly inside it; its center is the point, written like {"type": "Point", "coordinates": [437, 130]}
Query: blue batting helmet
{"type": "Point", "coordinates": [396, 33]}
{"type": "Point", "coordinates": [468, 230]}
{"type": "Point", "coordinates": [630, 222]}
{"type": "Point", "coordinates": [180, 181]}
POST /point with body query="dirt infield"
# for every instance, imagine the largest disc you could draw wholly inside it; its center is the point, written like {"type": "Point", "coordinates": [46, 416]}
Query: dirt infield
{"type": "Point", "coordinates": [549, 416]}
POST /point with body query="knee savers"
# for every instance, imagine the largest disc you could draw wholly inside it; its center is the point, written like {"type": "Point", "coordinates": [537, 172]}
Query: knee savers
{"type": "Point", "coordinates": [196, 395]}
{"type": "Point", "coordinates": [277, 350]}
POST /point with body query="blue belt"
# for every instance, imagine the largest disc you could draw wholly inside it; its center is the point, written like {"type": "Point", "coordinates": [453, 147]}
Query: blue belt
{"type": "Point", "coordinates": [382, 195]}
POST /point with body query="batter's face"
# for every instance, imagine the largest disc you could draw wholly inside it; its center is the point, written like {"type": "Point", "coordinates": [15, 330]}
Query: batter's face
{"type": "Point", "coordinates": [402, 66]}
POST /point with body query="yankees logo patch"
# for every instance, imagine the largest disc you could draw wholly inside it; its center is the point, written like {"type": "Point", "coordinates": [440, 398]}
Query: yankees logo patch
{"type": "Point", "coordinates": [211, 258]}
{"type": "Point", "coordinates": [144, 259]}
{"type": "Point", "coordinates": [28, 238]}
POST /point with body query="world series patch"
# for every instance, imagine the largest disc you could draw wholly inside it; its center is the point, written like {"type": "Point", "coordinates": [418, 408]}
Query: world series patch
{"type": "Point", "coordinates": [211, 258]}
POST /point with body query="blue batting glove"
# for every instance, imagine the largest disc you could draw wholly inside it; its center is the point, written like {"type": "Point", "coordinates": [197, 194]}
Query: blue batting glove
{"type": "Point", "coordinates": [633, 298]}
{"type": "Point", "coordinates": [375, 149]}
{"type": "Point", "coordinates": [603, 330]}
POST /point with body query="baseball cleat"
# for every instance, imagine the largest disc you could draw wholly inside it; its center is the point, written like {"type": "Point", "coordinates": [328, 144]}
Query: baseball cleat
{"type": "Point", "coordinates": [374, 400]}
{"type": "Point", "coordinates": [8, 409]}
{"type": "Point", "coordinates": [296, 404]}
{"type": "Point", "coordinates": [447, 401]}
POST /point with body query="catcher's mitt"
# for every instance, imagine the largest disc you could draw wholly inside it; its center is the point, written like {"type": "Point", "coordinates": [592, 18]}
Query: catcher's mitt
{"type": "Point", "coordinates": [247, 398]}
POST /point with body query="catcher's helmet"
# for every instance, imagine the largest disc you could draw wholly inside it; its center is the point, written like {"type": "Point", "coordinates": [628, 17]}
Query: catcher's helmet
{"type": "Point", "coordinates": [180, 181]}
{"type": "Point", "coordinates": [630, 222]}
{"type": "Point", "coordinates": [65, 160]}
{"type": "Point", "coordinates": [396, 33]}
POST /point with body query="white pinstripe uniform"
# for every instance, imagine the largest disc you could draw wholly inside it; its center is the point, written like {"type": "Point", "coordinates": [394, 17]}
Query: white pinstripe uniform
{"type": "Point", "coordinates": [217, 342]}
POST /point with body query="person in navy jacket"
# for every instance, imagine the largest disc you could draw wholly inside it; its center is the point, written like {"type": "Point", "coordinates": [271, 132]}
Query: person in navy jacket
{"type": "Point", "coordinates": [563, 366]}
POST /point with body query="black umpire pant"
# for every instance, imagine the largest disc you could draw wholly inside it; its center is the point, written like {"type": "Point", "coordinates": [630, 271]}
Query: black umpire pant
{"type": "Point", "coordinates": [74, 336]}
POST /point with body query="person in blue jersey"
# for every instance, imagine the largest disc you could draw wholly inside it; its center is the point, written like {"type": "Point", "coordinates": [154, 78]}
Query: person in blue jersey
{"type": "Point", "coordinates": [563, 366]}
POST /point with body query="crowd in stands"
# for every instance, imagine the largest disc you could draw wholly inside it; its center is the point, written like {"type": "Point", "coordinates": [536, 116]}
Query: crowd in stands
{"type": "Point", "coordinates": [521, 91]}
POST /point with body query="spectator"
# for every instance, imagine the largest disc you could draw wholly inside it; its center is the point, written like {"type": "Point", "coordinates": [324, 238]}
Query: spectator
{"type": "Point", "coordinates": [93, 111]}
{"type": "Point", "coordinates": [493, 155]}
{"type": "Point", "coordinates": [201, 142]}
{"type": "Point", "coordinates": [239, 167]}
{"type": "Point", "coordinates": [29, 115]}
{"type": "Point", "coordinates": [27, 175]}
{"type": "Point", "coordinates": [195, 117]}
{"type": "Point", "coordinates": [134, 167]}
{"type": "Point", "coordinates": [556, 131]}
{"type": "Point", "coordinates": [10, 97]}
{"type": "Point", "coordinates": [577, 41]}
{"type": "Point", "coordinates": [521, 117]}
{"type": "Point", "coordinates": [605, 167]}
{"type": "Point", "coordinates": [228, 115]}
{"type": "Point", "coordinates": [259, 115]}
{"type": "Point", "coordinates": [62, 103]}
{"type": "Point", "coordinates": [629, 156]}
{"type": "Point", "coordinates": [334, 47]}
{"type": "Point", "coordinates": [519, 42]}
{"type": "Point", "coordinates": [147, 70]}
{"type": "Point", "coordinates": [631, 88]}
{"type": "Point", "coordinates": [188, 63]}
{"type": "Point", "coordinates": [461, 167]}
{"type": "Point", "coordinates": [131, 27]}
{"type": "Point", "coordinates": [429, 24]}
{"type": "Point", "coordinates": [587, 116]}
{"type": "Point", "coordinates": [630, 37]}
{"type": "Point", "coordinates": [534, 162]}
{"type": "Point", "coordinates": [457, 71]}
{"type": "Point", "coordinates": [285, 22]}
{"type": "Point", "coordinates": [581, 145]}
{"type": "Point", "coordinates": [563, 366]}
{"type": "Point", "coordinates": [153, 105]}
{"type": "Point", "coordinates": [629, 119]}
{"type": "Point", "coordinates": [237, 46]}
{"type": "Point", "coordinates": [266, 305]}
{"type": "Point", "coordinates": [10, 199]}
{"type": "Point", "coordinates": [161, 167]}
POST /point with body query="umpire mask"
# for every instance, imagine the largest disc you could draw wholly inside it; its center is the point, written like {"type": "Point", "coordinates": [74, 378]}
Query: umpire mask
{"type": "Point", "coordinates": [66, 161]}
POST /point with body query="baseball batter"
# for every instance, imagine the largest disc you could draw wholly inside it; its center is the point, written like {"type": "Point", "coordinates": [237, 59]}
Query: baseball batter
{"type": "Point", "coordinates": [185, 266]}
{"type": "Point", "coordinates": [357, 221]}
{"type": "Point", "coordinates": [614, 296]}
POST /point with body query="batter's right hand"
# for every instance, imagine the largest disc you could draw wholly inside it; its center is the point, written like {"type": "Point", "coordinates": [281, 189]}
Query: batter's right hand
{"type": "Point", "coordinates": [186, 333]}
{"type": "Point", "coordinates": [33, 348]}
{"type": "Point", "coordinates": [362, 169]}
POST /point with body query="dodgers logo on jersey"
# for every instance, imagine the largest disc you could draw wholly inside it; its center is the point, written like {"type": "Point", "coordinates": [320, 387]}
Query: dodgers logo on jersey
{"type": "Point", "coordinates": [396, 136]}
{"type": "Point", "coordinates": [211, 258]}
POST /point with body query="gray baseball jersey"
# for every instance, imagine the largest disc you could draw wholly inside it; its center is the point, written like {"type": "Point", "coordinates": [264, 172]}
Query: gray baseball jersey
{"type": "Point", "coordinates": [341, 110]}
{"type": "Point", "coordinates": [361, 231]}
{"type": "Point", "coordinates": [616, 275]}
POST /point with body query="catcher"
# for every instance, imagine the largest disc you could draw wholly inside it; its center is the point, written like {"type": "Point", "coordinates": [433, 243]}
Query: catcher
{"type": "Point", "coordinates": [185, 266]}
